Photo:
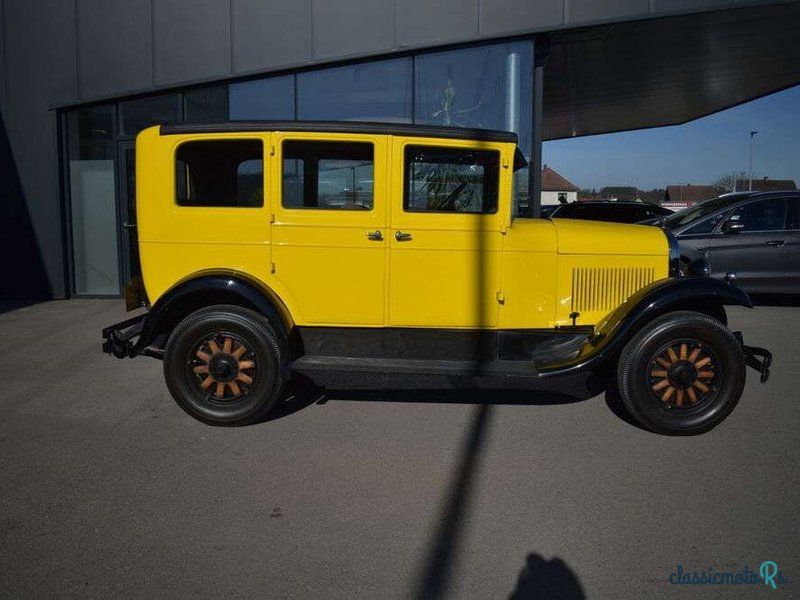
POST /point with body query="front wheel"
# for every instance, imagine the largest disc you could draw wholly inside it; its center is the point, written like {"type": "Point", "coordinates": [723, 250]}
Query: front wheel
{"type": "Point", "coordinates": [681, 375]}
{"type": "Point", "coordinates": [223, 365]}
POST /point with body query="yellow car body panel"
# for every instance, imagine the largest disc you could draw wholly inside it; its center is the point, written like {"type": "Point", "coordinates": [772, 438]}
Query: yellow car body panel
{"type": "Point", "coordinates": [456, 270]}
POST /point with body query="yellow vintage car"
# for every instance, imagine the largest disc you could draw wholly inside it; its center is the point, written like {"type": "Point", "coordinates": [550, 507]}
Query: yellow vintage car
{"type": "Point", "coordinates": [391, 254]}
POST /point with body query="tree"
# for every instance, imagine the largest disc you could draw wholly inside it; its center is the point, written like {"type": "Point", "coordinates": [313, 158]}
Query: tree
{"type": "Point", "coordinates": [727, 183]}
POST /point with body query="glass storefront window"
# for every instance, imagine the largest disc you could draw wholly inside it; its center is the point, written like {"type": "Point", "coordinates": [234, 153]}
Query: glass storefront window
{"type": "Point", "coordinates": [487, 87]}
{"type": "Point", "coordinates": [90, 155]}
{"type": "Point", "coordinates": [206, 104]}
{"type": "Point", "coordinates": [271, 99]}
{"type": "Point", "coordinates": [136, 115]}
{"type": "Point", "coordinates": [373, 91]}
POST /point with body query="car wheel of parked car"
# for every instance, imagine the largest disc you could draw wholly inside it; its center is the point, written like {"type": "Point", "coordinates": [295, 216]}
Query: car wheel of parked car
{"type": "Point", "coordinates": [681, 375]}
{"type": "Point", "coordinates": [224, 364]}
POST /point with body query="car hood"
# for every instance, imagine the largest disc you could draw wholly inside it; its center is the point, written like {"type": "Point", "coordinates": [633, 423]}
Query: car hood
{"type": "Point", "coordinates": [598, 237]}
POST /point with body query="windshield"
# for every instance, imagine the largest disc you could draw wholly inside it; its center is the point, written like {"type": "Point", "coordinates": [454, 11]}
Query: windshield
{"type": "Point", "coordinates": [687, 215]}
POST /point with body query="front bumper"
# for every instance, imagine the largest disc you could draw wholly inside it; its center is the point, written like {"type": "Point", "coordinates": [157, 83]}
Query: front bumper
{"type": "Point", "coordinates": [757, 358]}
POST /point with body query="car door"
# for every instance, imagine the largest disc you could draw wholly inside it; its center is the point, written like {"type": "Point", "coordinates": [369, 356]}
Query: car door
{"type": "Point", "coordinates": [328, 246]}
{"type": "Point", "coordinates": [748, 246]}
{"type": "Point", "coordinates": [791, 248]}
{"type": "Point", "coordinates": [445, 235]}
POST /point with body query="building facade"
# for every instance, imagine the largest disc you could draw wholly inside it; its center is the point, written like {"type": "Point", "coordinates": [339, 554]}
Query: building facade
{"type": "Point", "coordinates": [80, 78]}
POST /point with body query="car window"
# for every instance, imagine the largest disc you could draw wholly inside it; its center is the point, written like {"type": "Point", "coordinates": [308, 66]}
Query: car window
{"type": "Point", "coordinates": [763, 215]}
{"type": "Point", "coordinates": [328, 175]}
{"type": "Point", "coordinates": [220, 173]}
{"type": "Point", "coordinates": [705, 226]}
{"type": "Point", "coordinates": [793, 222]}
{"type": "Point", "coordinates": [451, 180]}
{"type": "Point", "coordinates": [696, 211]}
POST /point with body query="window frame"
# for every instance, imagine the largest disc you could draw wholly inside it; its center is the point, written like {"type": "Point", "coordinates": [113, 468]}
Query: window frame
{"type": "Point", "coordinates": [212, 140]}
{"type": "Point", "coordinates": [720, 229]}
{"type": "Point", "coordinates": [323, 141]}
{"type": "Point", "coordinates": [406, 179]}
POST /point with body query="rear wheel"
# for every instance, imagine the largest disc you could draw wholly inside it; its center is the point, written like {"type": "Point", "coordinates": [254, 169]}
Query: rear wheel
{"type": "Point", "coordinates": [682, 374]}
{"type": "Point", "coordinates": [223, 365]}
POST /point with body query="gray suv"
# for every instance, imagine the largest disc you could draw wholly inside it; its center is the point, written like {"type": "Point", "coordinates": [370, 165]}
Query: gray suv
{"type": "Point", "coordinates": [752, 238]}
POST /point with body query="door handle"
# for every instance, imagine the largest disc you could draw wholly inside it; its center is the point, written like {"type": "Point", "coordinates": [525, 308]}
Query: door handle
{"type": "Point", "coordinates": [375, 235]}
{"type": "Point", "coordinates": [776, 243]}
{"type": "Point", "coordinates": [402, 236]}
{"type": "Point", "coordinates": [129, 225]}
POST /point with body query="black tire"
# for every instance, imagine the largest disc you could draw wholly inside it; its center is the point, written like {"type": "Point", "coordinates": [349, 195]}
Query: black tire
{"type": "Point", "coordinates": [647, 372]}
{"type": "Point", "coordinates": [199, 358]}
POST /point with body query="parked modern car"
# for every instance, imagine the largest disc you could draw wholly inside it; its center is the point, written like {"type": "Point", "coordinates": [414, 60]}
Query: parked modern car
{"type": "Point", "coordinates": [750, 238]}
{"type": "Point", "coordinates": [364, 253]}
{"type": "Point", "coordinates": [612, 211]}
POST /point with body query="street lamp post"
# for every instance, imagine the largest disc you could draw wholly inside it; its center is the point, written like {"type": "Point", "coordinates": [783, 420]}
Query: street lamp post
{"type": "Point", "coordinates": [750, 174]}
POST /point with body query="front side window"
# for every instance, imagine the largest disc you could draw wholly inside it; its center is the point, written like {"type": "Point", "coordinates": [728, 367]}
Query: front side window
{"type": "Point", "coordinates": [220, 173]}
{"type": "Point", "coordinates": [451, 180]}
{"type": "Point", "coordinates": [764, 215]}
{"type": "Point", "coordinates": [328, 175]}
{"type": "Point", "coordinates": [705, 226]}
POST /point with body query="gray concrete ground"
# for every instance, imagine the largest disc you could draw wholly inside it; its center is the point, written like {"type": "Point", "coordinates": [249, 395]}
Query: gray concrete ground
{"type": "Point", "coordinates": [108, 489]}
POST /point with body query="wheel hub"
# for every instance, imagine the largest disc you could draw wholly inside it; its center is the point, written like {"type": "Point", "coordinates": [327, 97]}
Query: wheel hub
{"type": "Point", "coordinates": [223, 367]}
{"type": "Point", "coordinates": [682, 374]}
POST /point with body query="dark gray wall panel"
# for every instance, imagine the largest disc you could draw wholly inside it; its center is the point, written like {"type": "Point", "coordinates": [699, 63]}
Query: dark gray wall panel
{"type": "Point", "coordinates": [191, 39]}
{"type": "Point", "coordinates": [578, 11]}
{"type": "Point", "coordinates": [114, 47]}
{"type": "Point", "coordinates": [499, 17]}
{"type": "Point", "coordinates": [420, 22]}
{"type": "Point", "coordinates": [270, 34]}
{"type": "Point", "coordinates": [2, 60]}
{"type": "Point", "coordinates": [348, 27]}
{"type": "Point", "coordinates": [40, 72]}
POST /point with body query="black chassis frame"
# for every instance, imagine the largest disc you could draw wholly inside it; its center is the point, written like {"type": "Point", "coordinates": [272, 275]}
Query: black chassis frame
{"type": "Point", "coordinates": [513, 355]}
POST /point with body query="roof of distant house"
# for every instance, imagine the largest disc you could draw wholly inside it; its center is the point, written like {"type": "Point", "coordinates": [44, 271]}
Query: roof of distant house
{"type": "Point", "coordinates": [689, 193]}
{"type": "Point", "coordinates": [553, 182]}
{"type": "Point", "coordinates": [765, 185]}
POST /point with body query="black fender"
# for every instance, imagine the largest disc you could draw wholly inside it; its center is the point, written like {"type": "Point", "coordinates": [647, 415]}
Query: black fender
{"type": "Point", "coordinates": [701, 294]}
{"type": "Point", "coordinates": [207, 288]}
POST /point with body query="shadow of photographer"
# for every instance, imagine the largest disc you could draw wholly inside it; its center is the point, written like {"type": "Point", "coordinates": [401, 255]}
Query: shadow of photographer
{"type": "Point", "coordinates": [542, 579]}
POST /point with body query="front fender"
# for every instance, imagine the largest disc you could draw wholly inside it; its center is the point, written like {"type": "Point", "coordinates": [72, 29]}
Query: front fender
{"type": "Point", "coordinates": [613, 332]}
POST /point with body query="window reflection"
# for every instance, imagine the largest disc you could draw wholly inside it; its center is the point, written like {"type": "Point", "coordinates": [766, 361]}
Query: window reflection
{"type": "Point", "coordinates": [374, 91]}
{"type": "Point", "coordinates": [270, 99]}
{"type": "Point", "coordinates": [136, 115]}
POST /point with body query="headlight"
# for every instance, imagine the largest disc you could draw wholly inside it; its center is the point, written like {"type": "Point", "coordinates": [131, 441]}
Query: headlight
{"type": "Point", "coordinates": [674, 254]}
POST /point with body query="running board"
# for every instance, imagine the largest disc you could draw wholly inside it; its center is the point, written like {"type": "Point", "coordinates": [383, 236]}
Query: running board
{"type": "Point", "coordinates": [310, 365]}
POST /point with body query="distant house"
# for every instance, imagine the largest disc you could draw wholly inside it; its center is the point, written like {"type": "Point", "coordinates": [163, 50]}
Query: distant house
{"type": "Point", "coordinates": [683, 196]}
{"type": "Point", "coordinates": [765, 185]}
{"type": "Point", "coordinates": [556, 189]}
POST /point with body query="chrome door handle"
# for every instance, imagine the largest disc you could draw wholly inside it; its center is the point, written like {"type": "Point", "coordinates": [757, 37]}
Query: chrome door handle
{"type": "Point", "coordinates": [129, 225]}
{"type": "Point", "coordinates": [402, 236]}
{"type": "Point", "coordinates": [776, 243]}
{"type": "Point", "coordinates": [375, 235]}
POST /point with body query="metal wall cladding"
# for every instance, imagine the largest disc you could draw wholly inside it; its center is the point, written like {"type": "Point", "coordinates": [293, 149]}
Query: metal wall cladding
{"type": "Point", "coordinates": [603, 289]}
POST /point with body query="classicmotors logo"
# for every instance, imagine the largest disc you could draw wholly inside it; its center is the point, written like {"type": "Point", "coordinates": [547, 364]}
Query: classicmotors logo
{"type": "Point", "coordinates": [767, 574]}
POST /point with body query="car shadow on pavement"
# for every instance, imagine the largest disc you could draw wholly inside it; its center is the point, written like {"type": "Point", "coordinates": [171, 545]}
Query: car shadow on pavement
{"type": "Point", "coordinates": [775, 299]}
{"type": "Point", "coordinates": [542, 579]}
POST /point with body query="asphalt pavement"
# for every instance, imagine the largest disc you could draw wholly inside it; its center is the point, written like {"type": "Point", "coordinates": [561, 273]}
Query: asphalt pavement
{"type": "Point", "coordinates": [109, 489]}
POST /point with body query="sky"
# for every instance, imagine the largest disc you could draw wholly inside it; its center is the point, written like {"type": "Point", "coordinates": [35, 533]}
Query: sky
{"type": "Point", "coordinates": [698, 152]}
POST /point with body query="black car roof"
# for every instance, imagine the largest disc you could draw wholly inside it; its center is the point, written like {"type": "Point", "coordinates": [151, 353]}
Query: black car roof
{"type": "Point", "coordinates": [435, 131]}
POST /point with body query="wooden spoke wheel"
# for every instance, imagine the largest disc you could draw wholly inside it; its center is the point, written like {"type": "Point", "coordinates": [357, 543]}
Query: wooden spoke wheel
{"type": "Point", "coordinates": [223, 367]}
{"type": "Point", "coordinates": [682, 374]}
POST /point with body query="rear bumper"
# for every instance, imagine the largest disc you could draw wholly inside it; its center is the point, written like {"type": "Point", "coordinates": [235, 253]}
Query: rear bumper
{"type": "Point", "coordinates": [121, 340]}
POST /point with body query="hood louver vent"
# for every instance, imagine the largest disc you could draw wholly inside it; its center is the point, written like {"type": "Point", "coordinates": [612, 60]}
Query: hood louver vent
{"type": "Point", "coordinates": [603, 289]}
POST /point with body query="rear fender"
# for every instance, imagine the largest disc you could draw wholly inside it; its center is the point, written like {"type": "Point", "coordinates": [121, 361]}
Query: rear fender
{"type": "Point", "coordinates": [206, 289]}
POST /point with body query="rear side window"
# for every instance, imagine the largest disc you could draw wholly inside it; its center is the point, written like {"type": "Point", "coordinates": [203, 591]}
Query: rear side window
{"type": "Point", "coordinates": [451, 180]}
{"type": "Point", "coordinates": [220, 173]}
{"type": "Point", "coordinates": [328, 175]}
{"type": "Point", "coordinates": [763, 215]}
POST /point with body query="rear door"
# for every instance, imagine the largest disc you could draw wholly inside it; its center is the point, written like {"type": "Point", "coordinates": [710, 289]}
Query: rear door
{"type": "Point", "coordinates": [750, 245]}
{"type": "Point", "coordinates": [328, 246]}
